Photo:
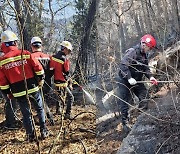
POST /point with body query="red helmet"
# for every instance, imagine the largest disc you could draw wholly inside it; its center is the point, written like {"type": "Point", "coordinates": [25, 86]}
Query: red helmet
{"type": "Point", "coordinates": [149, 40]}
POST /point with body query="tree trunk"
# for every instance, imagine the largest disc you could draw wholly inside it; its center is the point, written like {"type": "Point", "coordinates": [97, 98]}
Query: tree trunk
{"type": "Point", "coordinates": [166, 15]}
{"type": "Point", "coordinates": [121, 38]}
{"type": "Point", "coordinates": [145, 21]}
{"type": "Point", "coordinates": [81, 64]}
{"type": "Point", "coordinates": [24, 27]}
{"type": "Point", "coordinates": [120, 29]}
{"type": "Point", "coordinates": [137, 24]}
{"type": "Point", "coordinates": [2, 21]}
{"type": "Point", "coordinates": [141, 24]}
{"type": "Point", "coordinates": [125, 29]}
{"type": "Point", "coordinates": [176, 16]}
{"type": "Point", "coordinates": [149, 23]}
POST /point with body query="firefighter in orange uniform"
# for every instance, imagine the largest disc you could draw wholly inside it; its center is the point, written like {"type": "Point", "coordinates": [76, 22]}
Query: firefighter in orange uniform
{"type": "Point", "coordinates": [16, 66]}
{"type": "Point", "coordinates": [10, 104]}
{"type": "Point", "coordinates": [60, 65]}
{"type": "Point", "coordinates": [44, 59]}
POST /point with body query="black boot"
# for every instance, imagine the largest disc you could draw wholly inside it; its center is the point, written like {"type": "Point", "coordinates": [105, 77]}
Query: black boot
{"type": "Point", "coordinates": [125, 124]}
{"type": "Point", "coordinates": [50, 119]}
{"type": "Point", "coordinates": [44, 133]}
{"type": "Point", "coordinates": [12, 126]}
{"type": "Point", "coordinates": [126, 128]}
{"type": "Point", "coordinates": [67, 116]}
{"type": "Point", "coordinates": [58, 108]}
{"type": "Point", "coordinates": [30, 137]}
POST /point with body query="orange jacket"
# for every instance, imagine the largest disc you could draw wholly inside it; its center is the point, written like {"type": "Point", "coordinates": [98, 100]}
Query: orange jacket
{"type": "Point", "coordinates": [43, 58]}
{"type": "Point", "coordinates": [12, 75]}
{"type": "Point", "coordinates": [61, 65]}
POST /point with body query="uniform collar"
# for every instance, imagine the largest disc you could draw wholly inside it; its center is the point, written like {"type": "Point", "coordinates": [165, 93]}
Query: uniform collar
{"type": "Point", "coordinates": [7, 49]}
{"type": "Point", "coordinates": [140, 49]}
{"type": "Point", "coordinates": [62, 53]}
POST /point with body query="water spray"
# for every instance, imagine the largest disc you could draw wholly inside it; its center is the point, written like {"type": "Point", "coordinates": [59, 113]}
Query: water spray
{"type": "Point", "coordinates": [91, 99]}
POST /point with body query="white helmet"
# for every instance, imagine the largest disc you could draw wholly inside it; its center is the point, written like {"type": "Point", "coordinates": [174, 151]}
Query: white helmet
{"type": "Point", "coordinates": [36, 39]}
{"type": "Point", "coordinates": [67, 44]}
{"type": "Point", "coordinates": [8, 36]}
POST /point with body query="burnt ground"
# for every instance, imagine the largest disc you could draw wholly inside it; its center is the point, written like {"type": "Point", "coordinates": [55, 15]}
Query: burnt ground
{"type": "Point", "coordinates": [108, 126]}
{"type": "Point", "coordinates": [86, 134]}
{"type": "Point", "coordinates": [168, 130]}
{"type": "Point", "coordinates": [110, 134]}
{"type": "Point", "coordinates": [165, 107]}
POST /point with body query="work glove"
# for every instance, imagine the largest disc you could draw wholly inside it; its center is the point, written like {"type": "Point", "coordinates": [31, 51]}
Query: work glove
{"type": "Point", "coordinates": [153, 81]}
{"type": "Point", "coordinates": [10, 96]}
{"type": "Point", "coordinates": [80, 87]}
{"type": "Point", "coordinates": [70, 87]}
{"type": "Point", "coordinates": [132, 81]}
{"type": "Point", "coordinates": [70, 84]}
{"type": "Point", "coordinates": [41, 83]}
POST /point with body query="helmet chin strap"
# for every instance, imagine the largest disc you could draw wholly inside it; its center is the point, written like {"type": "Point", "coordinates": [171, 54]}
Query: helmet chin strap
{"type": "Point", "coordinates": [143, 46]}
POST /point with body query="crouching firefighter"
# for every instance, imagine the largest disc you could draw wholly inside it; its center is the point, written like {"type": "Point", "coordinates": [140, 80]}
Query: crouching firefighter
{"type": "Point", "coordinates": [16, 64]}
{"type": "Point", "coordinates": [44, 59]}
{"type": "Point", "coordinates": [133, 66]}
{"type": "Point", "coordinates": [60, 65]}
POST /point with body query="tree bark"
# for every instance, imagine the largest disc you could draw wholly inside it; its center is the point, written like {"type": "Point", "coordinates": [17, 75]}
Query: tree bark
{"type": "Point", "coordinates": [81, 64]}
{"type": "Point", "coordinates": [22, 25]}
{"type": "Point", "coordinates": [176, 16]}
{"type": "Point", "coordinates": [149, 20]}
{"type": "Point", "coordinates": [2, 21]}
{"type": "Point", "coordinates": [137, 24]}
{"type": "Point", "coordinates": [121, 29]}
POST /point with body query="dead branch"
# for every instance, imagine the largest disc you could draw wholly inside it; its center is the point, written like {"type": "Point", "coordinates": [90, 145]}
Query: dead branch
{"type": "Point", "coordinates": [84, 147]}
{"type": "Point", "coordinates": [3, 147]}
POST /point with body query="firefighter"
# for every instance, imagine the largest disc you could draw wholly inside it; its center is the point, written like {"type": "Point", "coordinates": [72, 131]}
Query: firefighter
{"type": "Point", "coordinates": [16, 66]}
{"type": "Point", "coordinates": [133, 66]}
{"type": "Point", "coordinates": [60, 65]}
{"type": "Point", "coordinates": [44, 59]}
{"type": "Point", "coordinates": [10, 104]}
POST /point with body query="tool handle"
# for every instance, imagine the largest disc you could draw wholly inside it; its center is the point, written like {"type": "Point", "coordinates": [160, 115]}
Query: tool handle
{"type": "Point", "coordinates": [157, 81]}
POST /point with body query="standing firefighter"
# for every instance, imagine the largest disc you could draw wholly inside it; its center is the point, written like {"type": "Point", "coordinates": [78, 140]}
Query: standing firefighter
{"type": "Point", "coordinates": [16, 64]}
{"type": "Point", "coordinates": [10, 104]}
{"type": "Point", "coordinates": [44, 59]}
{"type": "Point", "coordinates": [133, 66]}
{"type": "Point", "coordinates": [61, 65]}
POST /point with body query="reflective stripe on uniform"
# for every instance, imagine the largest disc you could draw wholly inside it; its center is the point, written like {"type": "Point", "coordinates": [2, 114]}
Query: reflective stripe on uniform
{"type": "Point", "coordinates": [61, 85]}
{"type": "Point", "coordinates": [12, 59]}
{"type": "Point", "coordinates": [24, 92]}
{"type": "Point", "coordinates": [40, 72]}
{"type": "Point", "coordinates": [57, 60]}
{"type": "Point", "coordinates": [4, 87]}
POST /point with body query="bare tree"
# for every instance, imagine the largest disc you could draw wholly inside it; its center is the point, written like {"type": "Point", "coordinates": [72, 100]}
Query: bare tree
{"type": "Point", "coordinates": [176, 15]}
{"type": "Point", "coordinates": [82, 61]}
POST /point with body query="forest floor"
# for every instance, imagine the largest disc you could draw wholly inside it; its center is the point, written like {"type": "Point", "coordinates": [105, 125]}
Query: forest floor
{"type": "Point", "coordinates": [84, 134]}
{"type": "Point", "coordinates": [110, 134]}
{"type": "Point", "coordinates": [87, 133]}
{"type": "Point", "coordinates": [77, 136]}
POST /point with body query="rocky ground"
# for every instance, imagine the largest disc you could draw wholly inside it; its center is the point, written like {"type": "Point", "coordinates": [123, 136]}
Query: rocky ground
{"type": "Point", "coordinates": [110, 133]}
{"type": "Point", "coordinates": [157, 130]}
